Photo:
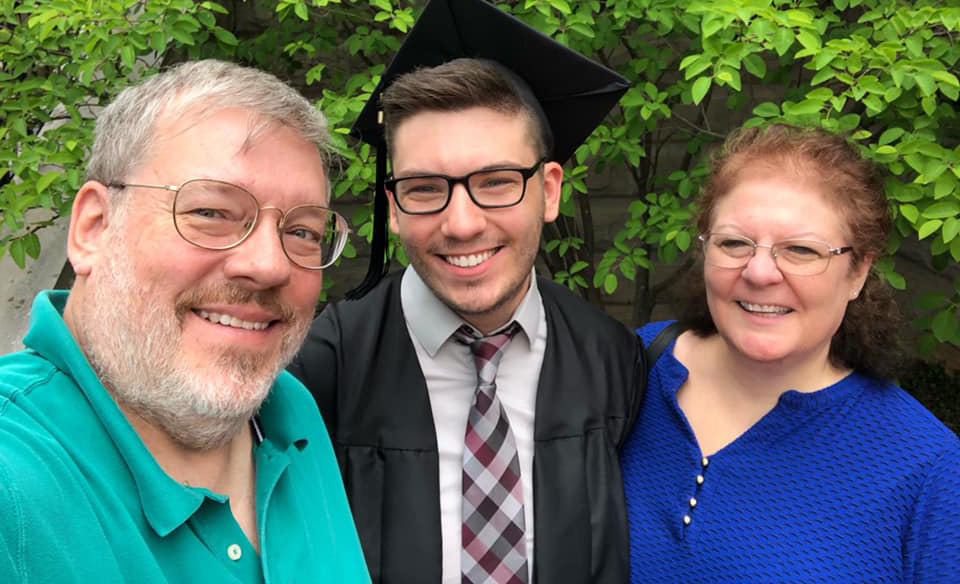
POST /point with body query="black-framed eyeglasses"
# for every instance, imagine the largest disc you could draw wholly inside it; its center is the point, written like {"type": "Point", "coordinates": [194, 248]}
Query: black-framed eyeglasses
{"type": "Point", "coordinates": [488, 189]}
{"type": "Point", "coordinates": [218, 215]}
{"type": "Point", "coordinates": [799, 257]}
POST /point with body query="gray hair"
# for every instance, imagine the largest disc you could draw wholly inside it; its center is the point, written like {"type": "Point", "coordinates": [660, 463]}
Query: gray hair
{"type": "Point", "coordinates": [125, 129]}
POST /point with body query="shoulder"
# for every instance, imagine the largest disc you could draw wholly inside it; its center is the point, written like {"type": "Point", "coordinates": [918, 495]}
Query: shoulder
{"type": "Point", "coordinates": [20, 374]}
{"type": "Point", "coordinates": [898, 424]}
{"type": "Point", "coordinates": [291, 405]}
{"type": "Point", "coordinates": [344, 326]}
{"type": "Point", "coordinates": [585, 321]}
{"type": "Point", "coordinates": [649, 331]}
{"type": "Point", "coordinates": [383, 297]}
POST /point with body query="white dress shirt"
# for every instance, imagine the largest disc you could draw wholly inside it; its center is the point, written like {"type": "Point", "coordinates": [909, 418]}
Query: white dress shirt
{"type": "Point", "coordinates": [451, 378]}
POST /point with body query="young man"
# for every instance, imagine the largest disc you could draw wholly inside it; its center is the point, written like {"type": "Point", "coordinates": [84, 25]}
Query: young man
{"type": "Point", "coordinates": [148, 433]}
{"type": "Point", "coordinates": [509, 472]}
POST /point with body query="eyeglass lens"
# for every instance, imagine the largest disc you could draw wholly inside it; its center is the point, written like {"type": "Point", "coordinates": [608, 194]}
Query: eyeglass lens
{"type": "Point", "coordinates": [218, 215]}
{"type": "Point", "coordinates": [489, 188]}
{"type": "Point", "coordinates": [798, 257]}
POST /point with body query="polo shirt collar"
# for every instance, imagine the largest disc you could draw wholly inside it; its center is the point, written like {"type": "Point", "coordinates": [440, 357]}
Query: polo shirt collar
{"type": "Point", "coordinates": [166, 503]}
{"type": "Point", "coordinates": [432, 322]}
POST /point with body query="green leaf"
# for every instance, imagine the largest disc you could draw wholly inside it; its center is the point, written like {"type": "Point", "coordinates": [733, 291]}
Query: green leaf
{"type": "Point", "coordinates": [300, 9]}
{"type": "Point", "coordinates": [910, 212]}
{"type": "Point", "coordinates": [755, 65]}
{"type": "Point", "coordinates": [944, 185]}
{"type": "Point", "coordinates": [930, 300]}
{"type": "Point", "coordinates": [225, 36]}
{"type": "Point", "coordinates": [805, 107]}
{"type": "Point", "coordinates": [45, 180]}
{"type": "Point", "coordinates": [946, 77]}
{"type": "Point", "coordinates": [127, 56]}
{"type": "Point", "coordinates": [711, 26]}
{"type": "Point", "coordinates": [822, 76]}
{"type": "Point", "coordinates": [809, 40]}
{"type": "Point", "coordinates": [578, 267]}
{"type": "Point", "coordinates": [610, 284]}
{"type": "Point", "coordinates": [914, 45]}
{"type": "Point", "coordinates": [767, 110]}
{"type": "Point", "coordinates": [17, 253]}
{"type": "Point", "coordinates": [926, 83]}
{"type": "Point", "coordinates": [896, 281]}
{"type": "Point", "coordinates": [699, 89]}
{"type": "Point", "coordinates": [951, 227]}
{"type": "Point", "coordinates": [929, 227]}
{"type": "Point", "coordinates": [890, 134]}
{"type": "Point", "coordinates": [955, 249]}
{"type": "Point", "coordinates": [782, 40]}
{"type": "Point", "coordinates": [31, 245]}
{"type": "Point", "coordinates": [942, 210]}
{"type": "Point", "coordinates": [944, 325]}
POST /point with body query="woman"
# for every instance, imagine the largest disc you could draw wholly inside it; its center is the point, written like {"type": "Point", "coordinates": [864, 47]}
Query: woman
{"type": "Point", "coordinates": [770, 447]}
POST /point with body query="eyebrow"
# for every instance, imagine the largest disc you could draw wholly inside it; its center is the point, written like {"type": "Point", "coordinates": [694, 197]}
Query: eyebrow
{"type": "Point", "coordinates": [414, 172]}
{"type": "Point", "coordinates": [734, 230]}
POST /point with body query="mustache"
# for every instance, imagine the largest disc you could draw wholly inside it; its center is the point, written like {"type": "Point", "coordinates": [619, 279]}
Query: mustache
{"type": "Point", "coordinates": [228, 294]}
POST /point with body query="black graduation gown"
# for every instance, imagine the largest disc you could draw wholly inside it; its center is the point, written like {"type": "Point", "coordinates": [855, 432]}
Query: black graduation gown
{"type": "Point", "coordinates": [360, 364]}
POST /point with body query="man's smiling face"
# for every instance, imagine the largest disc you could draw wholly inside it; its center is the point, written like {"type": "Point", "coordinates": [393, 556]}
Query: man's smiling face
{"type": "Point", "coordinates": [191, 339]}
{"type": "Point", "coordinates": [477, 261]}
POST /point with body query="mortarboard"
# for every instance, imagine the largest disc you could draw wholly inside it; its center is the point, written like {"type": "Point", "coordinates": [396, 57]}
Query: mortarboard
{"type": "Point", "coordinates": [573, 92]}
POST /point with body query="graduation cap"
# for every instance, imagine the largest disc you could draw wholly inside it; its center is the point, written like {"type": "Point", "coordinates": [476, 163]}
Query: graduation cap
{"type": "Point", "coordinates": [573, 93]}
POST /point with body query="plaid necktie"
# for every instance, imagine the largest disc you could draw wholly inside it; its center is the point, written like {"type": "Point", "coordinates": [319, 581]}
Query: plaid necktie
{"type": "Point", "coordinates": [494, 549]}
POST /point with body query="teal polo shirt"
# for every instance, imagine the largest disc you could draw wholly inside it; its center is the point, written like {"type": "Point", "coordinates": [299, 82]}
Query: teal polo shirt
{"type": "Point", "coordinates": [82, 499]}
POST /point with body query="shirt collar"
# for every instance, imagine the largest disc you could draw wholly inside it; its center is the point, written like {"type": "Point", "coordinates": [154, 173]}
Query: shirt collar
{"type": "Point", "coordinates": [432, 322]}
{"type": "Point", "coordinates": [166, 503]}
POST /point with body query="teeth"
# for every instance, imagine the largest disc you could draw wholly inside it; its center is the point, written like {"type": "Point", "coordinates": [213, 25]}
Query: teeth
{"type": "Point", "coordinates": [469, 261]}
{"type": "Point", "coordinates": [768, 308]}
{"type": "Point", "coordinates": [227, 320]}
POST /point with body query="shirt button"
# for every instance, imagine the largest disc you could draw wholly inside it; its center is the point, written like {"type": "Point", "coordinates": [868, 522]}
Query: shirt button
{"type": "Point", "coordinates": [693, 502]}
{"type": "Point", "coordinates": [699, 479]}
{"type": "Point", "coordinates": [234, 552]}
{"type": "Point", "coordinates": [704, 462]}
{"type": "Point", "coordinates": [686, 520]}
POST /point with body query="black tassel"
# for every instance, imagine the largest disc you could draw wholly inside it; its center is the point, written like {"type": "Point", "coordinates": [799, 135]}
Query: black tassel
{"type": "Point", "coordinates": [379, 266]}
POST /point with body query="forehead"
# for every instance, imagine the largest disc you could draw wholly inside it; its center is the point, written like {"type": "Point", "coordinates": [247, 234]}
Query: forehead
{"type": "Point", "coordinates": [238, 146]}
{"type": "Point", "coordinates": [462, 139]}
{"type": "Point", "coordinates": [780, 205]}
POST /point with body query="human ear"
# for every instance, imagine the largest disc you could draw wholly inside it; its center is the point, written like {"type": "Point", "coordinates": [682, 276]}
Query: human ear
{"type": "Point", "coordinates": [394, 222]}
{"type": "Point", "coordinates": [89, 221]}
{"type": "Point", "coordinates": [552, 183]}
{"type": "Point", "coordinates": [858, 276]}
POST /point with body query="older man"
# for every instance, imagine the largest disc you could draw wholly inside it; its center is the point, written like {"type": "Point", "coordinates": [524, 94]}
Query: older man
{"type": "Point", "coordinates": [147, 433]}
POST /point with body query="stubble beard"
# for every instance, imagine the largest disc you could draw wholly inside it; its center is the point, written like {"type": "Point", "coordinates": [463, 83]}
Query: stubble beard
{"type": "Point", "coordinates": [133, 345]}
{"type": "Point", "coordinates": [469, 306]}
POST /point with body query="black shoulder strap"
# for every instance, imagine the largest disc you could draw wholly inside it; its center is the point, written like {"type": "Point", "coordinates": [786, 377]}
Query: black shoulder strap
{"type": "Point", "coordinates": [662, 341]}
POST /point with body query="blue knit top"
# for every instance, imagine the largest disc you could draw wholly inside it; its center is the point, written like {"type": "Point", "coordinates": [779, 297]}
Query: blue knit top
{"type": "Point", "coordinates": [856, 482]}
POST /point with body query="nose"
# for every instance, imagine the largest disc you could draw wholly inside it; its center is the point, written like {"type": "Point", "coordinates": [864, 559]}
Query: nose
{"type": "Point", "coordinates": [462, 219]}
{"type": "Point", "coordinates": [762, 268]}
{"type": "Point", "coordinates": [259, 263]}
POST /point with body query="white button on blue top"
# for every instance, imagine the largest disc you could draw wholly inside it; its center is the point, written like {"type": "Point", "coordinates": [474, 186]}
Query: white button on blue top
{"type": "Point", "coordinates": [234, 552]}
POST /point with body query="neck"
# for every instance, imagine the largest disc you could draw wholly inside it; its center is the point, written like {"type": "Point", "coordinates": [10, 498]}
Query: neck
{"type": "Point", "coordinates": [224, 469]}
{"type": "Point", "coordinates": [758, 379]}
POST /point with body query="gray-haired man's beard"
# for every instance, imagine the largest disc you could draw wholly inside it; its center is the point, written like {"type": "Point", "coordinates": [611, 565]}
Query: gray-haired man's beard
{"type": "Point", "coordinates": [133, 343]}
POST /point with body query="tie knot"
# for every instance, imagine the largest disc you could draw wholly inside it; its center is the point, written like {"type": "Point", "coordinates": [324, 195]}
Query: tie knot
{"type": "Point", "coordinates": [487, 350]}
